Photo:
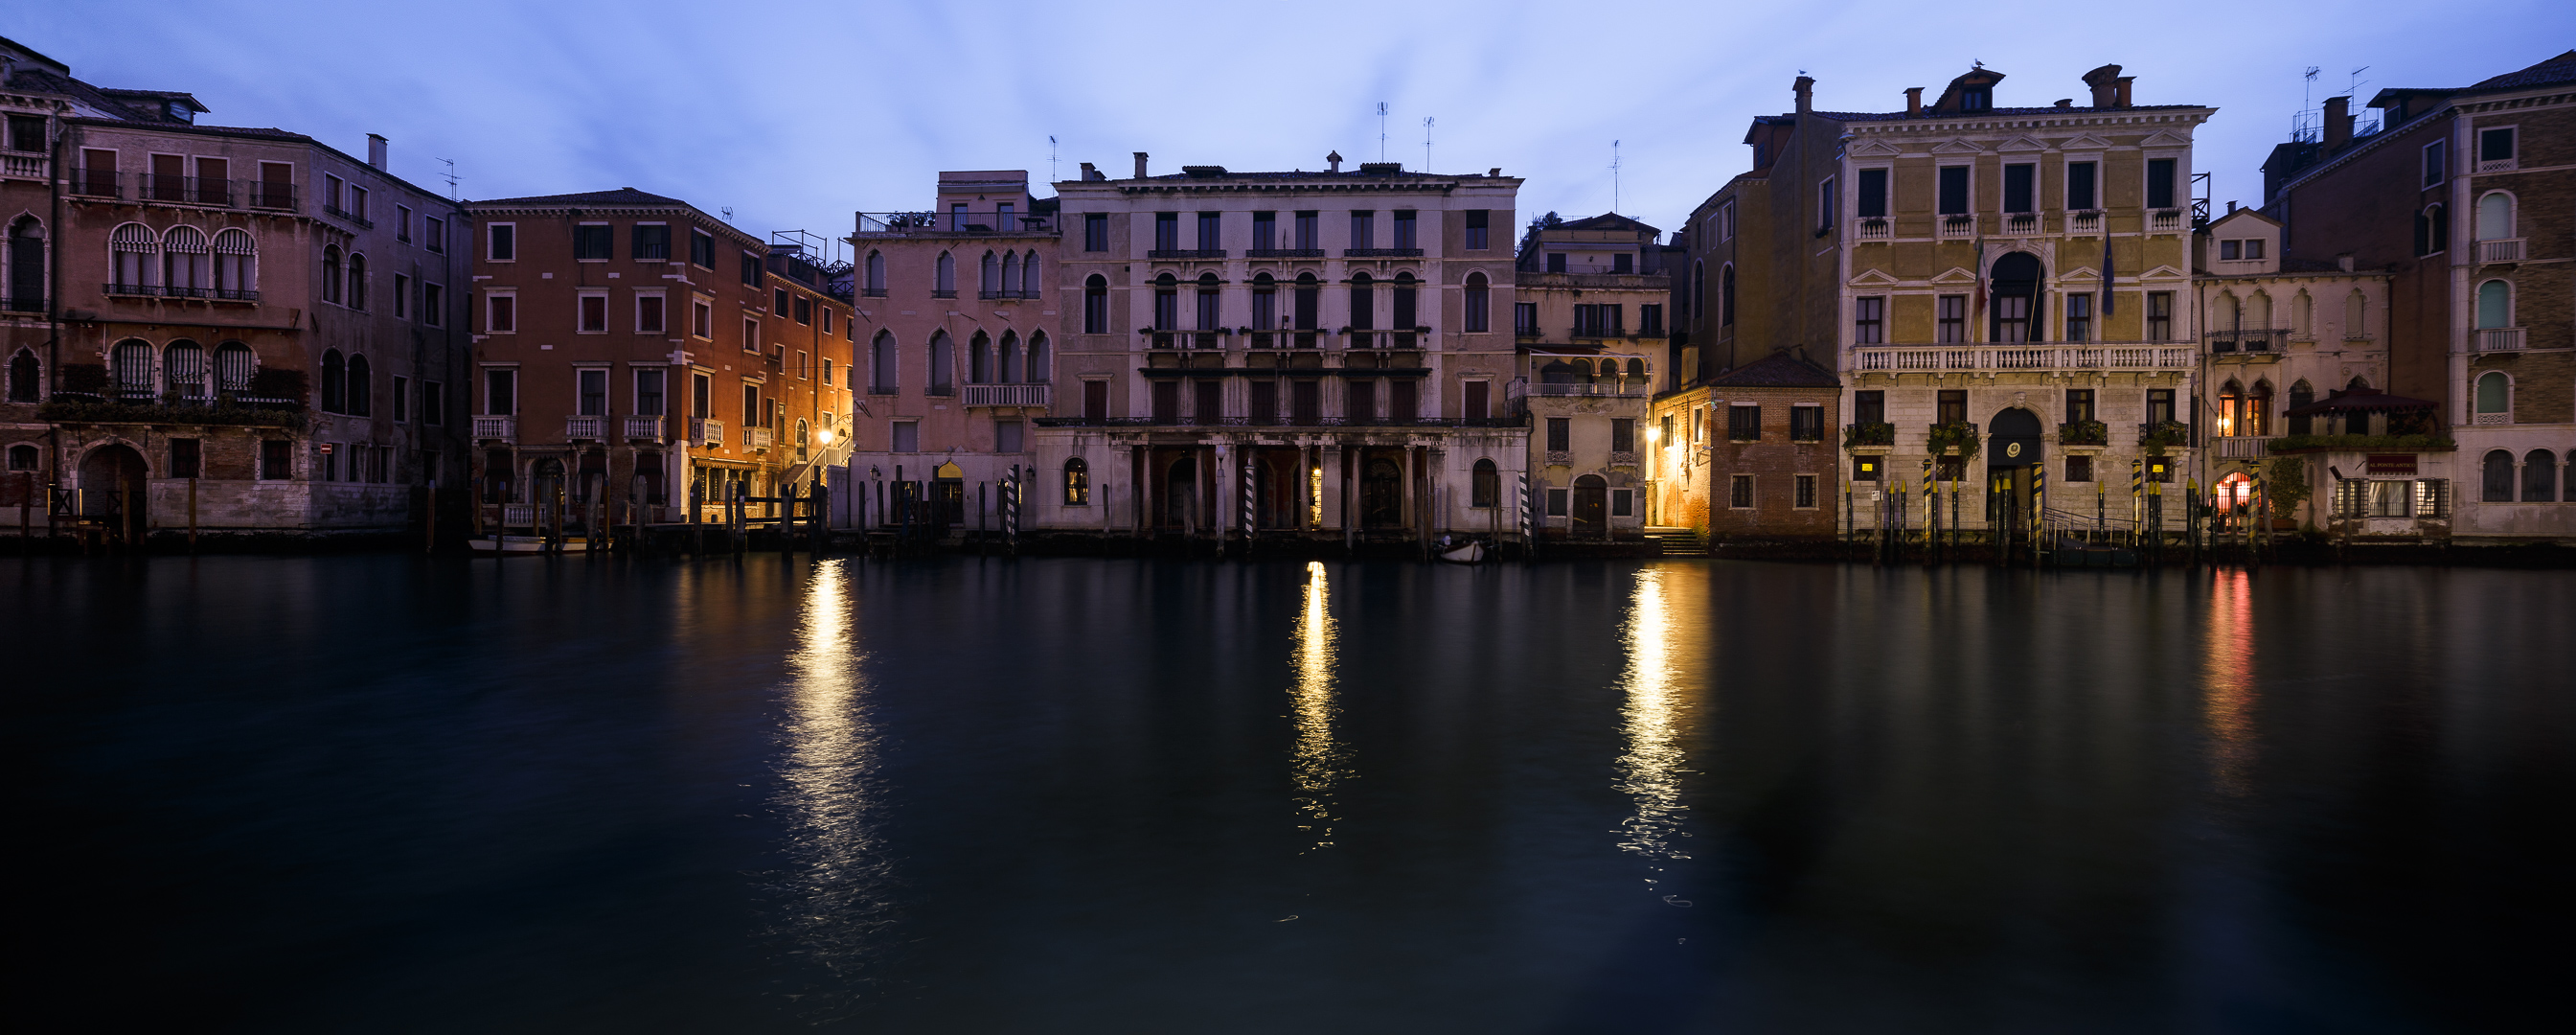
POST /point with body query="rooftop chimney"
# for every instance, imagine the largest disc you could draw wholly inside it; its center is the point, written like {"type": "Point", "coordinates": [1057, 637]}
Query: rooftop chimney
{"type": "Point", "coordinates": [2121, 97]}
{"type": "Point", "coordinates": [2105, 84]}
{"type": "Point", "coordinates": [1335, 159]}
{"type": "Point", "coordinates": [1914, 102]}
{"type": "Point", "coordinates": [1090, 171]}
{"type": "Point", "coordinates": [1806, 89]}
{"type": "Point", "coordinates": [1140, 165]}
{"type": "Point", "coordinates": [2338, 123]}
{"type": "Point", "coordinates": [2231, 208]}
{"type": "Point", "coordinates": [376, 151]}
{"type": "Point", "coordinates": [2066, 102]}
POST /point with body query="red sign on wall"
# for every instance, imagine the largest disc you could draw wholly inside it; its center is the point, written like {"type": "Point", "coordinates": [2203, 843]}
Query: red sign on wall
{"type": "Point", "coordinates": [2389, 463]}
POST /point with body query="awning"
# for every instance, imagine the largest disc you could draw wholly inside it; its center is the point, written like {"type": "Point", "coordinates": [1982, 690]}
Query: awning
{"type": "Point", "coordinates": [2358, 400]}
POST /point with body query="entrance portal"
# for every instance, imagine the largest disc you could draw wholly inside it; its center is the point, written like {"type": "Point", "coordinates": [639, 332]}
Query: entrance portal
{"type": "Point", "coordinates": [1382, 495]}
{"type": "Point", "coordinates": [1591, 508]}
{"type": "Point", "coordinates": [109, 476]}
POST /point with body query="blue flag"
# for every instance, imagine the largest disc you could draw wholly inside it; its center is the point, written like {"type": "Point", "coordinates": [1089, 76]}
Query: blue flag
{"type": "Point", "coordinates": [2106, 272]}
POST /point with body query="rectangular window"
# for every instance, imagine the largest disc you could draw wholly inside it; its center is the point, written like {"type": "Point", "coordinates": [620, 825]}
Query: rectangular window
{"type": "Point", "coordinates": [2160, 316]}
{"type": "Point", "coordinates": [751, 269]}
{"type": "Point", "coordinates": [1556, 502]}
{"type": "Point", "coordinates": [1310, 234]}
{"type": "Point", "coordinates": [27, 133]}
{"type": "Point", "coordinates": [1953, 313]}
{"type": "Point", "coordinates": [1623, 435]}
{"type": "Point", "coordinates": [433, 304]}
{"type": "Point", "coordinates": [702, 319]}
{"type": "Point", "coordinates": [2495, 145]}
{"type": "Point", "coordinates": [907, 436]}
{"type": "Point", "coordinates": [1869, 407]}
{"type": "Point", "coordinates": [1954, 190]}
{"type": "Point", "coordinates": [402, 213]}
{"type": "Point", "coordinates": [2079, 405]}
{"type": "Point", "coordinates": [1265, 231]}
{"type": "Point", "coordinates": [504, 242]}
{"type": "Point", "coordinates": [1264, 397]}
{"type": "Point", "coordinates": [501, 313]}
{"type": "Point", "coordinates": [331, 190]}
{"type": "Point", "coordinates": [402, 399]}
{"type": "Point", "coordinates": [592, 312]}
{"type": "Point", "coordinates": [591, 242]}
{"type": "Point", "coordinates": [1477, 232]}
{"type": "Point", "coordinates": [1624, 262]}
{"type": "Point", "coordinates": [1650, 319]}
{"type": "Point", "coordinates": [649, 315]}
{"type": "Point", "coordinates": [1950, 406]}
{"type": "Point", "coordinates": [433, 403]}
{"type": "Point", "coordinates": [652, 242]}
{"type": "Point", "coordinates": [1363, 228]}
{"type": "Point", "coordinates": [701, 396]}
{"type": "Point", "coordinates": [702, 249]}
{"type": "Point", "coordinates": [501, 392]}
{"type": "Point", "coordinates": [1556, 262]}
{"type": "Point", "coordinates": [1167, 231]}
{"type": "Point", "coordinates": [1828, 203]}
{"type": "Point", "coordinates": [1207, 401]}
{"type": "Point", "coordinates": [1362, 404]}
{"type": "Point", "coordinates": [1622, 503]}
{"type": "Point", "coordinates": [1560, 434]}
{"type": "Point", "coordinates": [778, 301]}
{"type": "Point", "coordinates": [751, 406]}
{"type": "Point", "coordinates": [751, 335]}
{"type": "Point", "coordinates": [184, 462]}
{"type": "Point", "coordinates": [1095, 231]}
{"type": "Point", "coordinates": [276, 460]}
{"type": "Point", "coordinates": [2437, 164]}
{"type": "Point", "coordinates": [1869, 320]}
{"type": "Point", "coordinates": [2228, 250]}
{"type": "Point", "coordinates": [591, 388]}
{"type": "Point", "coordinates": [2160, 182]}
{"type": "Point", "coordinates": [1868, 468]}
{"type": "Point", "coordinates": [1806, 423]}
{"type": "Point", "coordinates": [1744, 423]}
{"type": "Point", "coordinates": [433, 234]}
{"type": "Point", "coordinates": [2253, 247]}
{"type": "Point", "coordinates": [1525, 318]}
{"type": "Point", "coordinates": [1167, 402]}
{"type": "Point", "coordinates": [827, 318]}
{"type": "Point", "coordinates": [2020, 194]}
{"type": "Point", "coordinates": [805, 311]}
{"type": "Point", "coordinates": [648, 392]}
{"type": "Point", "coordinates": [2079, 187]}
{"type": "Point", "coordinates": [1666, 433]}
{"type": "Point", "coordinates": [402, 297]}
{"type": "Point", "coordinates": [1806, 484]}
{"type": "Point", "coordinates": [1211, 231]}
{"type": "Point", "coordinates": [1739, 492]}
{"type": "Point", "coordinates": [357, 204]}
{"type": "Point", "coordinates": [1006, 436]}
{"type": "Point", "coordinates": [2079, 317]}
{"type": "Point", "coordinates": [1305, 401]}
{"type": "Point", "coordinates": [1477, 401]}
{"type": "Point", "coordinates": [2079, 468]}
{"type": "Point", "coordinates": [1872, 202]}
{"type": "Point", "coordinates": [1404, 229]}
{"type": "Point", "coordinates": [2160, 406]}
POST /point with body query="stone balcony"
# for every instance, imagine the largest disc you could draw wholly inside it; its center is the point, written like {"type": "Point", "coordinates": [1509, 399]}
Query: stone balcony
{"type": "Point", "coordinates": [2148, 357]}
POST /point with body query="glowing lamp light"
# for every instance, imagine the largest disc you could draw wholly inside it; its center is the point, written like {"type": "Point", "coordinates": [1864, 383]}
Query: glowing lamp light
{"type": "Point", "coordinates": [824, 436]}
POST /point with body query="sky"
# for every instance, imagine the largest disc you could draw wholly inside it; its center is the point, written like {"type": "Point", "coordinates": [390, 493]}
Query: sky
{"type": "Point", "coordinates": [796, 115]}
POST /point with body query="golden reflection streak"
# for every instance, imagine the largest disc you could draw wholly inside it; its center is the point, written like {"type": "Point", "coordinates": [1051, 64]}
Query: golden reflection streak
{"type": "Point", "coordinates": [835, 876]}
{"type": "Point", "coordinates": [1651, 770]}
{"type": "Point", "coordinates": [1318, 762]}
{"type": "Point", "coordinates": [2227, 679]}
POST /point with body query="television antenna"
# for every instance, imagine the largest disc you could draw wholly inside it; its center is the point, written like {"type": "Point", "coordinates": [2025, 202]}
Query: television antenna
{"type": "Point", "coordinates": [728, 213]}
{"type": "Point", "coordinates": [451, 177]}
{"type": "Point", "coordinates": [1614, 176]}
{"type": "Point", "coordinates": [1426, 144]}
{"type": "Point", "coordinates": [1051, 174]}
{"type": "Point", "coordinates": [1381, 131]}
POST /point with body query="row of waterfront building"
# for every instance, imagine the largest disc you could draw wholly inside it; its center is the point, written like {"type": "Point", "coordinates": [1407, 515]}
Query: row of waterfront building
{"type": "Point", "coordinates": [2029, 307]}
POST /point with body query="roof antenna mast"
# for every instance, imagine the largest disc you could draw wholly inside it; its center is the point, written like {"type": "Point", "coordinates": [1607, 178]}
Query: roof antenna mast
{"type": "Point", "coordinates": [1051, 174]}
{"type": "Point", "coordinates": [1426, 145]}
{"type": "Point", "coordinates": [1381, 131]}
{"type": "Point", "coordinates": [451, 177]}
{"type": "Point", "coordinates": [1614, 176]}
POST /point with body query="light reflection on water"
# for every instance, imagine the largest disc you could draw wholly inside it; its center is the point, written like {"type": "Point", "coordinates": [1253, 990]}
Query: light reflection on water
{"type": "Point", "coordinates": [2228, 693]}
{"type": "Point", "coordinates": [1318, 762]}
{"type": "Point", "coordinates": [1651, 770]}
{"type": "Point", "coordinates": [832, 895]}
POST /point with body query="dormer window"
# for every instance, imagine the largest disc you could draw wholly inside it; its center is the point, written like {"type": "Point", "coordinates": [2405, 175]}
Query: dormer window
{"type": "Point", "coordinates": [180, 111]}
{"type": "Point", "coordinates": [1976, 98]}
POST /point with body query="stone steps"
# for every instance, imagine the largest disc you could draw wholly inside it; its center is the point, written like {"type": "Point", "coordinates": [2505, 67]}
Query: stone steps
{"type": "Point", "coordinates": [1676, 542]}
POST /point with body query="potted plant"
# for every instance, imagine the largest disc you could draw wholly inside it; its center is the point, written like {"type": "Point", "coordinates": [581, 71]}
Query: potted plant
{"type": "Point", "coordinates": [1878, 433]}
{"type": "Point", "coordinates": [1955, 435]}
{"type": "Point", "coordinates": [2164, 436]}
{"type": "Point", "coordinates": [2084, 433]}
{"type": "Point", "coordinates": [2287, 485]}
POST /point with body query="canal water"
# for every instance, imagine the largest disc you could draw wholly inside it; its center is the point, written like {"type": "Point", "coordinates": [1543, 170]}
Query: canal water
{"type": "Point", "coordinates": [382, 793]}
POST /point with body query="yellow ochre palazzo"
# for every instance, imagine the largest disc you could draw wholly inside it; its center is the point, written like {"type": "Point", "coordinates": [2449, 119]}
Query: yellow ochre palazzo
{"type": "Point", "coordinates": [1651, 769]}
{"type": "Point", "coordinates": [1319, 762]}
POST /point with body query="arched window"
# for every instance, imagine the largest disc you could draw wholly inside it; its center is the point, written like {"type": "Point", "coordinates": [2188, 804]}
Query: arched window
{"type": "Point", "coordinates": [361, 391]}
{"type": "Point", "coordinates": [2432, 230]}
{"type": "Point", "coordinates": [234, 364]}
{"type": "Point", "coordinates": [2540, 477]}
{"type": "Point", "coordinates": [1487, 485]}
{"type": "Point", "coordinates": [1077, 483]}
{"type": "Point", "coordinates": [183, 369]}
{"type": "Point", "coordinates": [2300, 396]}
{"type": "Point", "coordinates": [979, 360]}
{"type": "Point", "coordinates": [25, 377]}
{"type": "Point", "coordinates": [134, 245]}
{"type": "Point", "coordinates": [25, 458]}
{"type": "Point", "coordinates": [1041, 362]}
{"type": "Point", "coordinates": [1265, 302]}
{"type": "Point", "coordinates": [2495, 305]}
{"type": "Point", "coordinates": [1407, 314]}
{"type": "Point", "coordinates": [876, 285]}
{"type": "Point", "coordinates": [1698, 300]}
{"type": "Point", "coordinates": [943, 364]}
{"type": "Point", "coordinates": [1583, 369]}
{"type": "Point", "coordinates": [2495, 216]}
{"type": "Point", "coordinates": [1010, 274]}
{"type": "Point", "coordinates": [2303, 316]}
{"type": "Point", "coordinates": [1007, 369]}
{"type": "Point", "coordinates": [26, 259]}
{"type": "Point", "coordinates": [357, 281]}
{"type": "Point", "coordinates": [2258, 312]}
{"type": "Point", "coordinates": [944, 284]}
{"type": "Point", "coordinates": [2227, 315]}
{"type": "Point", "coordinates": [2356, 315]}
{"type": "Point", "coordinates": [1029, 279]}
{"type": "Point", "coordinates": [330, 273]}
{"type": "Point", "coordinates": [2495, 398]}
{"type": "Point", "coordinates": [1167, 303]}
{"type": "Point", "coordinates": [1477, 316]}
{"type": "Point", "coordinates": [2258, 410]}
{"type": "Point", "coordinates": [1726, 296]}
{"type": "Point", "coordinates": [1363, 302]}
{"type": "Point", "coordinates": [804, 437]}
{"type": "Point", "coordinates": [236, 265]}
{"type": "Point", "coordinates": [183, 262]}
{"type": "Point", "coordinates": [1309, 300]}
{"type": "Point", "coordinates": [988, 276]}
{"type": "Point", "coordinates": [1637, 369]}
{"type": "Point", "coordinates": [334, 382]}
{"type": "Point", "coordinates": [1557, 372]}
{"type": "Point", "coordinates": [2357, 383]}
{"type": "Point", "coordinates": [2231, 406]}
{"type": "Point", "coordinates": [132, 363]}
{"type": "Point", "coordinates": [882, 378]}
{"type": "Point", "coordinates": [1209, 304]}
{"type": "Point", "coordinates": [1095, 305]}
{"type": "Point", "coordinates": [2498, 480]}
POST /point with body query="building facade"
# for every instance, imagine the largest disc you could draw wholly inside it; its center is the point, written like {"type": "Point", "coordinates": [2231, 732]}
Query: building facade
{"type": "Point", "coordinates": [2482, 181]}
{"type": "Point", "coordinates": [1588, 313]}
{"type": "Point", "coordinates": [243, 330]}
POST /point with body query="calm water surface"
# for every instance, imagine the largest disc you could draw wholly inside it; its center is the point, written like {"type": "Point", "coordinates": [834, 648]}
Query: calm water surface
{"type": "Point", "coordinates": [380, 793]}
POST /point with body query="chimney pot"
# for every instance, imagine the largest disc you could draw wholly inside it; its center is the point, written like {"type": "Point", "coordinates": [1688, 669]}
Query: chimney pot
{"type": "Point", "coordinates": [2105, 84]}
{"type": "Point", "coordinates": [1914, 101]}
{"type": "Point", "coordinates": [1335, 160]}
{"type": "Point", "coordinates": [2121, 94]}
{"type": "Point", "coordinates": [2338, 118]}
{"type": "Point", "coordinates": [2344, 262]}
{"type": "Point", "coordinates": [376, 151]}
{"type": "Point", "coordinates": [1805, 88]}
{"type": "Point", "coordinates": [2066, 102]}
{"type": "Point", "coordinates": [1090, 171]}
{"type": "Point", "coordinates": [1140, 165]}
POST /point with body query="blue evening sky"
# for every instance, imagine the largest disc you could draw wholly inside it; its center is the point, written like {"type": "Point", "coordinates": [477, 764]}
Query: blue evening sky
{"type": "Point", "coordinates": [796, 114]}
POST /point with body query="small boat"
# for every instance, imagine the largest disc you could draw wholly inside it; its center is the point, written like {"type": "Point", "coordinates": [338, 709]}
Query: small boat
{"type": "Point", "coordinates": [505, 545]}
{"type": "Point", "coordinates": [1469, 552]}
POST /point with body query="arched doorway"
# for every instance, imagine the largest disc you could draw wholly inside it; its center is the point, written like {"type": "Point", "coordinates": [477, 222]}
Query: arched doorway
{"type": "Point", "coordinates": [546, 481]}
{"type": "Point", "coordinates": [2014, 315]}
{"type": "Point", "coordinates": [1382, 494]}
{"type": "Point", "coordinates": [2233, 496]}
{"type": "Point", "coordinates": [2013, 455]}
{"type": "Point", "coordinates": [1591, 508]}
{"type": "Point", "coordinates": [110, 476]}
{"type": "Point", "coordinates": [1181, 492]}
{"type": "Point", "coordinates": [948, 496]}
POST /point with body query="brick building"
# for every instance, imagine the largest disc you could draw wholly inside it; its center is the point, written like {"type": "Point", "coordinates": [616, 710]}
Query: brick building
{"type": "Point", "coordinates": [629, 346]}
{"type": "Point", "coordinates": [2467, 197]}
{"type": "Point", "coordinates": [241, 325]}
{"type": "Point", "coordinates": [1588, 313]}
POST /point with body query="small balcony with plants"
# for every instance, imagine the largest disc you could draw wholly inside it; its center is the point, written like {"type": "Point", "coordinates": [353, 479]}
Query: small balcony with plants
{"type": "Point", "coordinates": [2084, 433]}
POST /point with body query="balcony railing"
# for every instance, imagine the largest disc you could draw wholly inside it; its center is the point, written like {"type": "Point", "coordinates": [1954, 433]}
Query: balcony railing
{"type": "Point", "coordinates": [585, 428]}
{"type": "Point", "coordinates": [1958, 226]}
{"type": "Point", "coordinates": [943, 292]}
{"type": "Point", "coordinates": [1186, 253]}
{"type": "Point", "coordinates": [2499, 165]}
{"type": "Point", "coordinates": [186, 190]}
{"type": "Point", "coordinates": [1283, 253]}
{"type": "Point", "coordinates": [488, 428]}
{"type": "Point", "coordinates": [175, 291]}
{"type": "Point", "coordinates": [2021, 223]}
{"type": "Point", "coordinates": [336, 212]}
{"type": "Point", "coordinates": [759, 438]}
{"type": "Point", "coordinates": [1877, 228]}
{"type": "Point", "coordinates": [926, 224]}
{"type": "Point", "coordinates": [704, 432]}
{"type": "Point", "coordinates": [2503, 249]}
{"type": "Point", "coordinates": [874, 292]}
{"type": "Point", "coordinates": [1007, 395]}
{"type": "Point", "coordinates": [1633, 389]}
{"type": "Point", "coordinates": [2163, 221]}
{"type": "Point", "coordinates": [2500, 339]}
{"type": "Point", "coordinates": [1284, 420]}
{"type": "Point", "coordinates": [279, 196]}
{"type": "Point", "coordinates": [2084, 222]}
{"type": "Point", "coordinates": [1930, 359]}
{"type": "Point", "coordinates": [2243, 447]}
{"type": "Point", "coordinates": [22, 303]}
{"type": "Point", "coordinates": [1381, 253]}
{"type": "Point", "coordinates": [2249, 339]}
{"type": "Point", "coordinates": [97, 183]}
{"type": "Point", "coordinates": [25, 167]}
{"type": "Point", "coordinates": [644, 428]}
